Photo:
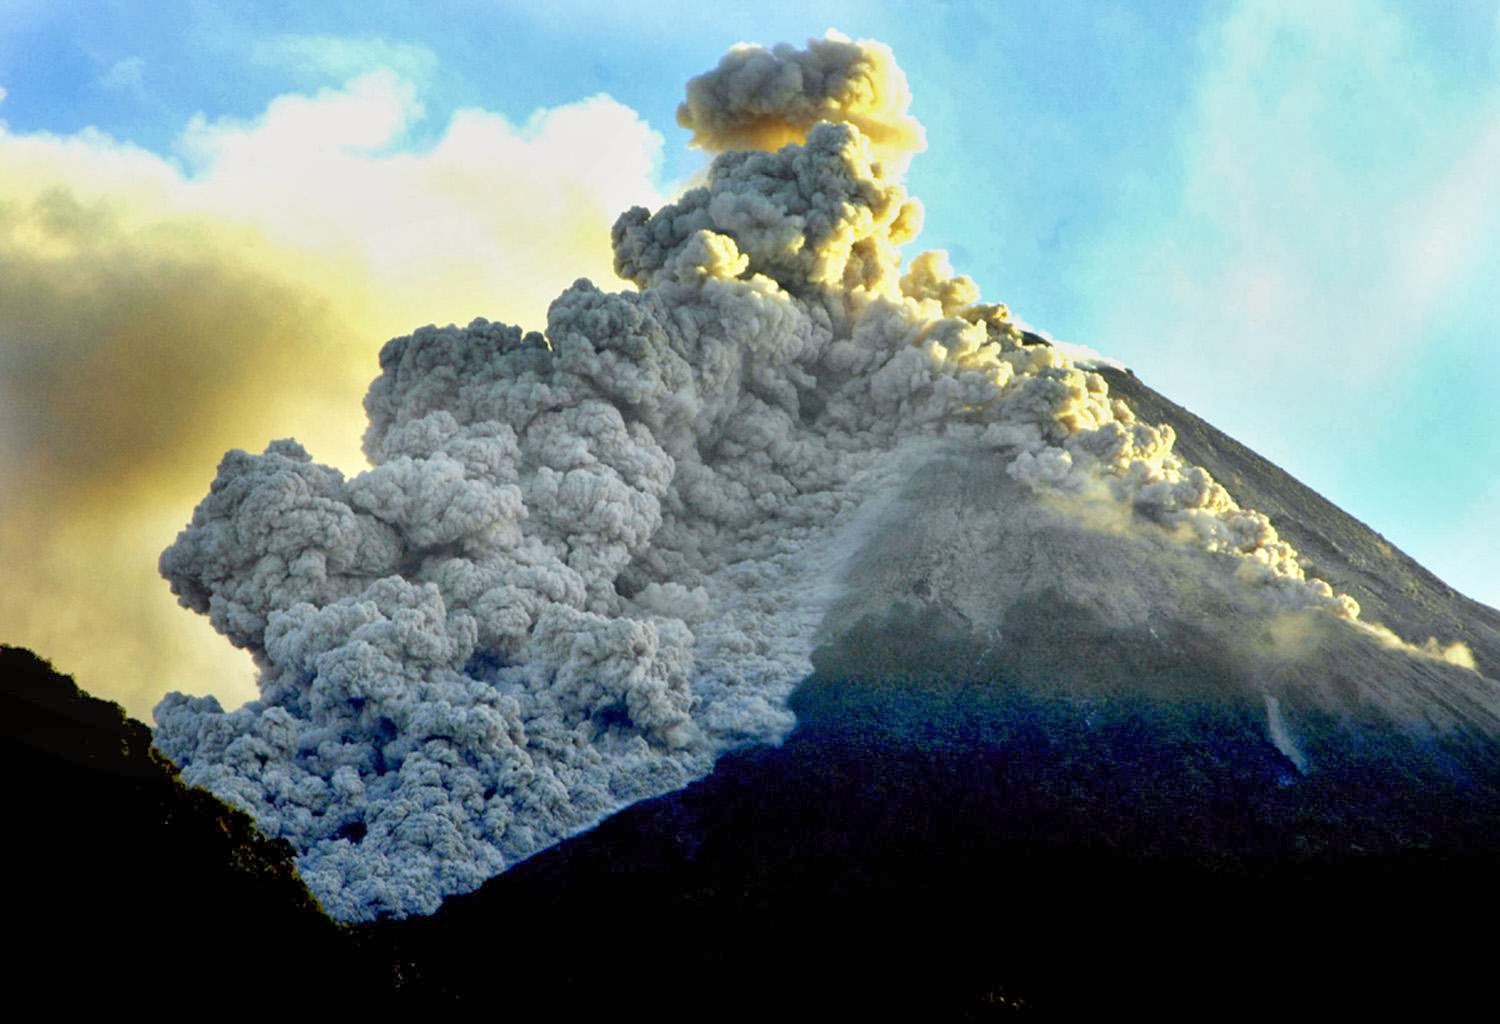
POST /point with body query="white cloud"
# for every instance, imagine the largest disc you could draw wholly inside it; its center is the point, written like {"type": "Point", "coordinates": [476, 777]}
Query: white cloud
{"type": "Point", "coordinates": [1293, 171]}
{"type": "Point", "coordinates": [1452, 227]}
{"type": "Point", "coordinates": [584, 564]}
{"type": "Point", "coordinates": [1322, 257]}
{"type": "Point", "coordinates": [492, 209]}
{"type": "Point", "coordinates": [367, 114]}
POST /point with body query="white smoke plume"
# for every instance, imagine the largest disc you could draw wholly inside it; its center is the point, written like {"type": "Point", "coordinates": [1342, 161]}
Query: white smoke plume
{"type": "Point", "coordinates": [587, 561]}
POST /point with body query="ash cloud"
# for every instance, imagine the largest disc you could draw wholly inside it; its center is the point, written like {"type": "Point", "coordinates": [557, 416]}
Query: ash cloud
{"type": "Point", "coordinates": [759, 98]}
{"type": "Point", "coordinates": [586, 561]}
{"type": "Point", "coordinates": [155, 312]}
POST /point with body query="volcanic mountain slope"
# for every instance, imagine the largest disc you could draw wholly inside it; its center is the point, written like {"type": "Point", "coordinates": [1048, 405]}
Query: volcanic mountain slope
{"type": "Point", "coordinates": [1389, 586]}
{"type": "Point", "coordinates": [1048, 763]}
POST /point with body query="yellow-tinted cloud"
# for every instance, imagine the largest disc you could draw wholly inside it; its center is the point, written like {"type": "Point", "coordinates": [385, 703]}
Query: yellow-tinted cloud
{"type": "Point", "coordinates": [760, 98]}
{"type": "Point", "coordinates": [152, 318]}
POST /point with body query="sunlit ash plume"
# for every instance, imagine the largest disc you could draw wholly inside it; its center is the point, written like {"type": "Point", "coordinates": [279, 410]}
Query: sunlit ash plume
{"type": "Point", "coordinates": [587, 561]}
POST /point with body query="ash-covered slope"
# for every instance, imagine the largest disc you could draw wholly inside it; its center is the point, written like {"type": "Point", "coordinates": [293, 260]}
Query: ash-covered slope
{"type": "Point", "coordinates": [1389, 586]}
{"type": "Point", "coordinates": [1062, 605]}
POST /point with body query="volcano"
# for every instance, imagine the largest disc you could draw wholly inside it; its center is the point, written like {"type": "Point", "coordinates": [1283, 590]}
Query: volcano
{"type": "Point", "coordinates": [1040, 768]}
{"type": "Point", "coordinates": [796, 631]}
{"type": "Point", "coordinates": [1037, 771]}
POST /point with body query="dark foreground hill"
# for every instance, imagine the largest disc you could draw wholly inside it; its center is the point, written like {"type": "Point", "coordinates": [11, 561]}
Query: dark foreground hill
{"type": "Point", "coordinates": [1044, 766]}
{"type": "Point", "coordinates": [127, 888]}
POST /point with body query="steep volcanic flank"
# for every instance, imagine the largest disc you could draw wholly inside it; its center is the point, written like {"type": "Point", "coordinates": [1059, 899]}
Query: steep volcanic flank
{"type": "Point", "coordinates": [787, 632]}
{"type": "Point", "coordinates": [587, 562]}
{"type": "Point", "coordinates": [1048, 765]}
{"type": "Point", "coordinates": [1389, 586]}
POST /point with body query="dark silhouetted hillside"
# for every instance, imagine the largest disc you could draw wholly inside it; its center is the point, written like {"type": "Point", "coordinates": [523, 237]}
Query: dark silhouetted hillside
{"type": "Point", "coordinates": [125, 886]}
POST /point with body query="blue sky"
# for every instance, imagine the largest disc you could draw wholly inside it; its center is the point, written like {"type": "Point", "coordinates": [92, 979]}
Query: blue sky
{"type": "Point", "coordinates": [1284, 216]}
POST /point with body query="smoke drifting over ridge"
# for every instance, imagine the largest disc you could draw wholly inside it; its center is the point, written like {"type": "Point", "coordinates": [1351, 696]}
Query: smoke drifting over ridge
{"type": "Point", "coordinates": [586, 562]}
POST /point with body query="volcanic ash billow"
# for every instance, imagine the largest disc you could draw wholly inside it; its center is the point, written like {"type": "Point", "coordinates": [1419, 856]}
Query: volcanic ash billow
{"type": "Point", "coordinates": [587, 561]}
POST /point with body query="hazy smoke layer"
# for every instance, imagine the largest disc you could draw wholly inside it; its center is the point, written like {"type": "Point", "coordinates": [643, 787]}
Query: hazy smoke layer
{"type": "Point", "coordinates": [586, 561]}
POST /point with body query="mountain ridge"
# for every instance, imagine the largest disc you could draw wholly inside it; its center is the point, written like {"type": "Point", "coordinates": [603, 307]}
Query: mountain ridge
{"type": "Point", "coordinates": [1288, 502]}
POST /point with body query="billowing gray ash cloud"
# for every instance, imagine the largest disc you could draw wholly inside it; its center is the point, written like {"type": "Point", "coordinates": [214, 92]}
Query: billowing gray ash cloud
{"type": "Point", "coordinates": [587, 561]}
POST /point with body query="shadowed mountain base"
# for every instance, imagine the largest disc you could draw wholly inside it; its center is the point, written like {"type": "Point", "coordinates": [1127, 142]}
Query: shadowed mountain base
{"type": "Point", "coordinates": [936, 837]}
{"type": "Point", "coordinates": [961, 849]}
